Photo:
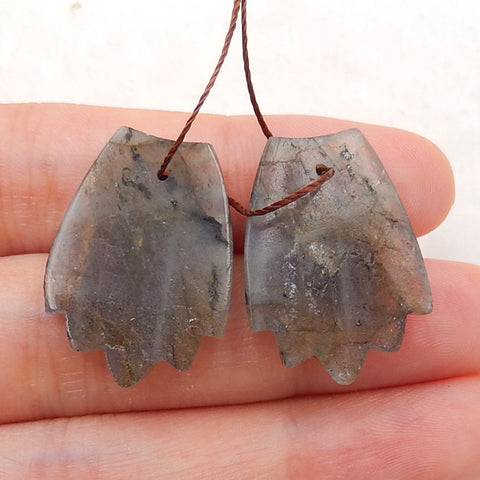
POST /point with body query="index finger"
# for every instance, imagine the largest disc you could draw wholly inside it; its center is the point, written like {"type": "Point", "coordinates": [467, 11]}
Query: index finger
{"type": "Point", "coordinates": [46, 150]}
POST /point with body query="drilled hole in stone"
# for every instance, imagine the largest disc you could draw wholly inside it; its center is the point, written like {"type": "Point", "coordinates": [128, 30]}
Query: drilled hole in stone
{"type": "Point", "coordinates": [162, 176]}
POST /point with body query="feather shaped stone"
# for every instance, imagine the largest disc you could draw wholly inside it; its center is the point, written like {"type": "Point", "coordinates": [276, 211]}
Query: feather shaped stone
{"type": "Point", "coordinates": [142, 267]}
{"type": "Point", "coordinates": [336, 272]}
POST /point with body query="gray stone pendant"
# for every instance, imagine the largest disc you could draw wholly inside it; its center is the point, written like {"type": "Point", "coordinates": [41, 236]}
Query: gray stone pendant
{"type": "Point", "coordinates": [142, 267]}
{"type": "Point", "coordinates": [336, 272]}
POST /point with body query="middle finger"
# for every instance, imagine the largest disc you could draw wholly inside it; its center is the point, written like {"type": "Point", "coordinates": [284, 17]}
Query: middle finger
{"type": "Point", "coordinates": [42, 377]}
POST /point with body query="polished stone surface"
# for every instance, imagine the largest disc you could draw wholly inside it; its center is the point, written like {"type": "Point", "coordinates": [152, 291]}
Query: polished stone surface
{"type": "Point", "coordinates": [336, 272]}
{"type": "Point", "coordinates": [142, 267]}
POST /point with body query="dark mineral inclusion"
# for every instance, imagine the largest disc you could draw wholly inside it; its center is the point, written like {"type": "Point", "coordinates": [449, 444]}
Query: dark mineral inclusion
{"type": "Point", "coordinates": [336, 272]}
{"type": "Point", "coordinates": [142, 267]}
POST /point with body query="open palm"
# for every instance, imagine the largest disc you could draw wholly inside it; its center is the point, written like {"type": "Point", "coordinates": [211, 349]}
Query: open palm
{"type": "Point", "coordinates": [237, 413]}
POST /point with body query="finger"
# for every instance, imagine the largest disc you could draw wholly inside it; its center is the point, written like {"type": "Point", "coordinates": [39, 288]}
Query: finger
{"type": "Point", "coordinates": [42, 377]}
{"type": "Point", "coordinates": [429, 431]}
{"type": "Point", "coordinates": [46, 150]}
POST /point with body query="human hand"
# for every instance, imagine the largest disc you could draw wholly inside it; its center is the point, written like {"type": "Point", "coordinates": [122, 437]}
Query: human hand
{"type": "Point", "coordinates": [237, 413]}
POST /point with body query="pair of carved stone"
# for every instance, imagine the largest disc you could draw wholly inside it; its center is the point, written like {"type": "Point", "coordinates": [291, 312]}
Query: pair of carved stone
{"type": "Point", "coordinates": [142, 267]}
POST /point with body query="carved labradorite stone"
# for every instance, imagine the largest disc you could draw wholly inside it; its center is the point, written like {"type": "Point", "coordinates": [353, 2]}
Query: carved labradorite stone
{"type": "Point", "coordinates": [142, 267]}
{"type": "Point", "coordinates": [336, 272]}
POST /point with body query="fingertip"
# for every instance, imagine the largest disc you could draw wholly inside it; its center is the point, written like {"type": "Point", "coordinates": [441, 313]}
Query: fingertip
{"type": "Point", "coordinates": [423, 178]}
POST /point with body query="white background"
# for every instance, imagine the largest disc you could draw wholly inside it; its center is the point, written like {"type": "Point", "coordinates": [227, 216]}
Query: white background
{"type": "Point", "coordinates": [411, 64]}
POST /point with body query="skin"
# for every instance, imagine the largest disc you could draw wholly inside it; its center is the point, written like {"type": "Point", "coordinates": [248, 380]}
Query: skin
{"type": "Point", "coordinates": [237, 413]}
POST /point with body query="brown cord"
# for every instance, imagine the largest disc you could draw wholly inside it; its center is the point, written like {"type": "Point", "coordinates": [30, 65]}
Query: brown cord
{"type": "Point", "coordinates": [248, 76]}
{"type": "Point", "coordinates": [325, 174]}
{"type": "Point", "coordinates": [162, 174]}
